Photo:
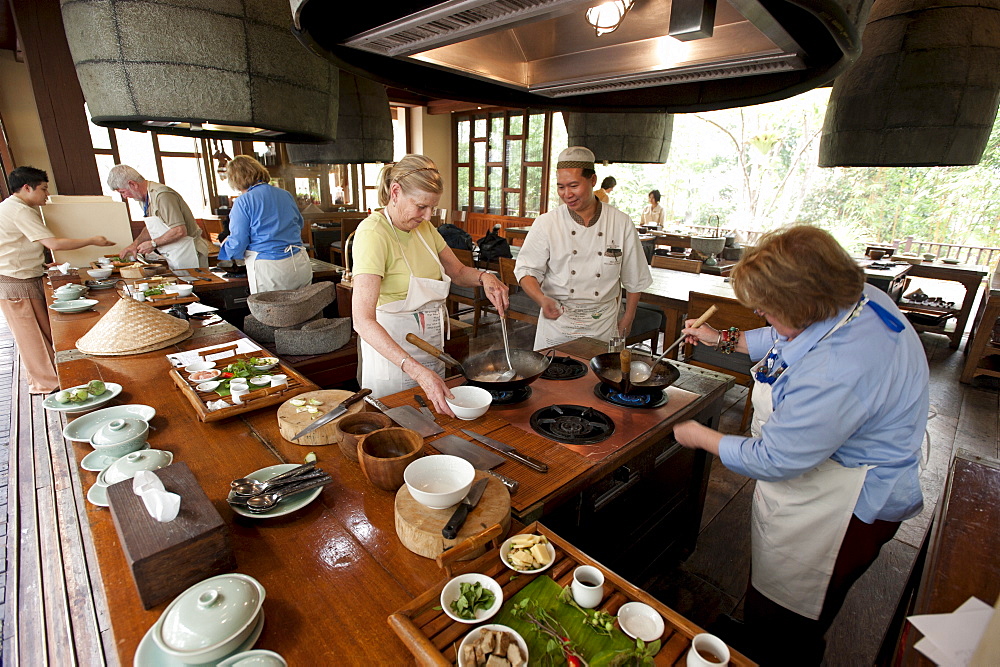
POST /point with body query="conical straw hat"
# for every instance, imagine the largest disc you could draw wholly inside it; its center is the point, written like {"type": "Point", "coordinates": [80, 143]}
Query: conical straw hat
{"type": "Point", "coordinates": [133, 327]}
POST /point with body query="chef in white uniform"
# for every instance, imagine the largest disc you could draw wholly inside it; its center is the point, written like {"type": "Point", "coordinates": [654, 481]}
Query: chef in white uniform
{"type": "Point", "coordinates": [577, 258]}
{"type": "Point", "coordinates": [171, 230]}
{"type": "Point", "coordinates": [403, 271]}
{"type": "Point", "coordinates": [840, 405]}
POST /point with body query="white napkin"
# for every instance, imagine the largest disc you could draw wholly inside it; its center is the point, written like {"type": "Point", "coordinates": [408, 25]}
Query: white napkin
{"type": "Point", "coordinates": [951, 639]}
{"type": "Point", "coordinates": [216, 405]}
{"type": "Point", "coordinates": [64, 268]}
{"type": "Point", "coordinates": [160, 503]}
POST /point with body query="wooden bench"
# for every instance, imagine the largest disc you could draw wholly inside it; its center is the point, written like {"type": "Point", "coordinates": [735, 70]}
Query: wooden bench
{"type": "Point", "coordinates": [477, 224]}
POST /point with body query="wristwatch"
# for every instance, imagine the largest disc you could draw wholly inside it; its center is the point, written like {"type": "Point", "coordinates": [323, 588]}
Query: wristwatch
{"type": "Point", "coordinates": [153, 244]}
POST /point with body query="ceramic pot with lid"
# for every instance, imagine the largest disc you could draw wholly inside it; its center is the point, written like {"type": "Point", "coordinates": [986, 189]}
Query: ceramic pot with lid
{"type": "Point", "coordinates": [211, 619]}
{"type": "Point", "coordinates": [120, 436]}
{"type": "Point", "coordinates": [127, 466]}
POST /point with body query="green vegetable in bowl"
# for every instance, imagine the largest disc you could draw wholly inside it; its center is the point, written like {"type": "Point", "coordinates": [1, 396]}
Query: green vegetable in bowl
{"type": "Point", "coordinates": [472, 597]}
{"type": "Point", "coordinates": [96, 387]}
{"type": "Point", "coordinates": [64, 396]}
{"type": "Point", "coordinates": [80, 395]}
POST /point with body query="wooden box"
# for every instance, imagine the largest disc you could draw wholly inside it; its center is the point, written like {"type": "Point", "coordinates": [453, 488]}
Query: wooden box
{"type": "Point", "coordinates": [167, 558]}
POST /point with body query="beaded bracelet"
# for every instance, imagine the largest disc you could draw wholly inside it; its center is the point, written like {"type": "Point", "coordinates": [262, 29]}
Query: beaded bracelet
{"type": "Point", "coordinates": [728, 338]}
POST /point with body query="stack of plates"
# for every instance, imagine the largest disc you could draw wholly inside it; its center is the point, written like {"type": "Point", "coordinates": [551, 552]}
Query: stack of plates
{"type": "Point", "coordinates": [75, 306]}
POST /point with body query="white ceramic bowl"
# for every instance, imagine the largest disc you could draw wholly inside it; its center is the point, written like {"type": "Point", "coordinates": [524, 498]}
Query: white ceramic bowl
{"type": "Point", "coordinates": [209, 620]}
{"type": "Point", "coordinates": [183, 290]}
{"type": "Point", "coordinates": [199, 366]}
{"type": "Point", "coordinates": [261, 381]}
{"type": "Point", "coordinates": [258, 657]}
{"type": "Point", "coordinates": [205, 375]}
{"type": "Point", "coordinates": [640, 621]}
{"type": "Point", "coordinates": [453, 589]}
{"type": "Point", "coordinates": [505, 549]}
{"type": "Point", "coordinates": [266, 363]}
{"type": "Point", "coordinates": [439, 481]}
{"type": "Point", "coordinates": [127, 466]}
{"type": "Point", "coordinates": [120, 436]}
{"type": "Point", "coordinates": [474, 635]}
{"type": "Point", "coordinates": [100, 274]}
{"type": "Point", "coordinates": [210, 385]}
{"type": "Point", "coordinates": [469, 402]}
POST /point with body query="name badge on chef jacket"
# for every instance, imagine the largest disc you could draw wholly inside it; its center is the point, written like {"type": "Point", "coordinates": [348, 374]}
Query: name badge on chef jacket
{"type": "Point", "coordinates": [612, 255]}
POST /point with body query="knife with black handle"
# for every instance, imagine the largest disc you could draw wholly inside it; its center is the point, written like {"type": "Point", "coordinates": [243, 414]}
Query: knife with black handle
{"type": "Point", "coordinates": [504, 448]}
{"type": "Point", "coordinates": [457, 520]}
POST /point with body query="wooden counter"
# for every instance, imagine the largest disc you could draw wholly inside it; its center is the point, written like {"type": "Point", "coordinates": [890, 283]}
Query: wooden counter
{"type": "Point", "coordinates": [334, 571]}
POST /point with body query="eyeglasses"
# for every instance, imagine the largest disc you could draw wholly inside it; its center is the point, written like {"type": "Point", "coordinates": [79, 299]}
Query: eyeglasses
{"type": "Point", "coordinates": [758, 312]}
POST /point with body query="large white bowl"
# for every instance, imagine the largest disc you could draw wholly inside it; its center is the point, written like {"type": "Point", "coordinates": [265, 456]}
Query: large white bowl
{"type": "Point", "coordinates": [452, 589]}
{"type": "Point", "coordinates": [473, 635]}
{"type": "Point", "coordinates": [100, 274]}
{"type": "Point", "coordinates": [439, 481]}
{"type": "Point", "coordinates": [469, 402]}
{"type": "Point", "coordinates": [211, 619]}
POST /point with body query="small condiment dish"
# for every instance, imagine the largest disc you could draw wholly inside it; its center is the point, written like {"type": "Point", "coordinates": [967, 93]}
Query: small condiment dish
{"type": "Point", "coordinates": [205, 376]}
{"type": "Point", "coordinates": [439, 481]}
{"type": "Point", "coordinates": [469, 402]}
{"type": "Point", "coordinates": [266, 363]}
{"type": "Point", "coordinates": [929, 257]}
{"type": "Point", "coordinates": [473, 635]}
{"type": "Point", "coordinates": [640, 621]}
{"type": "Point", "coordinates": [505, 549]}
{"type": "Point", "coordinates": [453, 589]}
{"type": "Point", "coordinates": [261, 380]}
{"type": "Point", "coordinates": [199, 366]}
{"type": "Point", "coordinates": [210, 385]}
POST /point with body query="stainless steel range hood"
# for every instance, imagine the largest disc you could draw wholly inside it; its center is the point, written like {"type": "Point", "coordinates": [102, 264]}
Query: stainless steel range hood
{"type": "Point", "coordinates": [543, 53]}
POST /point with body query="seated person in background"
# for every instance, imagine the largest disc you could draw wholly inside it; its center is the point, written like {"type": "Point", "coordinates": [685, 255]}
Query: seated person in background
{"type": "Point", "coordinates": [653, 214]}
{"type": "Point", "coordinates": [577, 258]}
{"type": "Point", "coordinates": [607, 185]}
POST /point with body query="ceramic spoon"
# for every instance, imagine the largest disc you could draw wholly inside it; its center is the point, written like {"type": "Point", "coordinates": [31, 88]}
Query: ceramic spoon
{"type": "Point", "coordinates": [268, 501]}
{"type": "Point", "coordinates": [255, 488]}
{"type": "Point", "coordinates": [510, 373]}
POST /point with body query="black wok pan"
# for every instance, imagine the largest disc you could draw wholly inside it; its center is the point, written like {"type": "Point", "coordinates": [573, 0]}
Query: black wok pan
{"type": "Point", "coordinates": [482, 369]}
{"type": "Point", "coordinates": [608, 368]}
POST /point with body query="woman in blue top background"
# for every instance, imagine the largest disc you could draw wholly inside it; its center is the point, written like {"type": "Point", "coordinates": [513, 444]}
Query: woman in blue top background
{"type": "Point", "coordinates": [265, 229]}
{"type": "Point", "coordinates": [840, 405]}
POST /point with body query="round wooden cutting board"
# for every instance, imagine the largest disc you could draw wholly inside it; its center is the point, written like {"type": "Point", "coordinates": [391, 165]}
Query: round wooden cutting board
{"type": "Point", "coordinates": [291, 422]}
{"type": "Point", "coordinates": [419, 527]}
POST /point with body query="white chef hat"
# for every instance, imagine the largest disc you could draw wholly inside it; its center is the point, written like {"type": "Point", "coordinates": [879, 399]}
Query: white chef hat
{"type": "Point", "coordinates": [576, 157]}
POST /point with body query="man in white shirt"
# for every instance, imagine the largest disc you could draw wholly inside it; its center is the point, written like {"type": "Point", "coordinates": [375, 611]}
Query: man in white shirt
{"type": "Point", "coordinates": [577, 258]}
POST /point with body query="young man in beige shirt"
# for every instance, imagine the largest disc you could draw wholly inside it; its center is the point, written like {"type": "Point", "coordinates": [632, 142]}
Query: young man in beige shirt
{"type": "Point", "coordinates": [23, 240]}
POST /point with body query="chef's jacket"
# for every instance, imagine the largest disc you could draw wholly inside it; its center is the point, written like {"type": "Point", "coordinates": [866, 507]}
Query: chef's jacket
{"type": "Point", "coordinates": [571, 263]}
{"type": "Point", "coordinates": [859, 397]}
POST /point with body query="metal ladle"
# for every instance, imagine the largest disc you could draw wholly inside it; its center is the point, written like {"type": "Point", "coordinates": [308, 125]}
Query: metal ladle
{"type": "Point", "coordinates": [294, 472]}
{"type": "Point", "coordinates": [640, 371]}
{"type": "Point", "coordinates": [256, 488]}
{"type": "Point", "coordinates": [268, 501]}
{"type": "Point", "coordinates": [508, 374]}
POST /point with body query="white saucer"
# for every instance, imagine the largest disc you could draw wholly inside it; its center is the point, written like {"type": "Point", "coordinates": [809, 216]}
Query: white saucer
{"type": "Point", "coordinates": [149, 654]}
{"type": "Point", "coordinates": [98, 495]}
{"type": "Point", "coordinates": [96, 461]}
{"type": "Point", "coordinates": [640, 621]}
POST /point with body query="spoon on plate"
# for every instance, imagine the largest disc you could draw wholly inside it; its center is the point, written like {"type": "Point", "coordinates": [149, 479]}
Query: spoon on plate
{"type": "Point", "coordinates": [294, 472]}
{"type": "Point", "coordinates": [255, 488]}
{"type": "Point", "coordinates": [267, 501]}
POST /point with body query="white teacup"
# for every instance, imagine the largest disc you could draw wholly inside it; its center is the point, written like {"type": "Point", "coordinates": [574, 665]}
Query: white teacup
{"type": "Point", "coordinates": [279, 379]}
{"type": "Point", "coordinates": [707, 651]}
{"type": "Point", "coordinates": [142, 287]}
{"type": "Point", "coordinates": [139, 296]}
{"type": "Point", "coordinates": [237, 388]}
{"type": "Point", "coordinates": [587, 586]}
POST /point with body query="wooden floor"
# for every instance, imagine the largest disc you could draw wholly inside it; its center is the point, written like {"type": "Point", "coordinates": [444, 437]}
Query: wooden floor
{"type": "Point", "coordinates": [53, 610]}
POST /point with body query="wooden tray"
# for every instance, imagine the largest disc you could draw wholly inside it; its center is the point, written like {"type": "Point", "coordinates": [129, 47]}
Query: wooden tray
{"type": "Point", "coordinates": [433, 637]}
{"type": "Point", "coordinates": [254, 400]}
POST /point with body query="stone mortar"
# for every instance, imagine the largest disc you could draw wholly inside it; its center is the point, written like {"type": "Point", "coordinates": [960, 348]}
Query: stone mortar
{"type": "Point", "coordinates": [286, 308]}
{"type": "Point", "coordinates": [316, 337]}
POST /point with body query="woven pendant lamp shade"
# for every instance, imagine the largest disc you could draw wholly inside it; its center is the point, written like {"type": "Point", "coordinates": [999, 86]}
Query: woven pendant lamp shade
{"type": "Point", "coordinates": [364, 127]}
{"type": "Point", "coordinates": [622, 137]}
{"type": "Point", "coordinates": [132, 327]}
{"type": "Point", "coordinates": [146, 65]}
{"type": "Point", "coordinates": [924, 91]}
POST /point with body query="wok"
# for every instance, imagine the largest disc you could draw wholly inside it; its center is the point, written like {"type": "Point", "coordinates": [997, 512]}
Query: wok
{"type": "Point", "coordinates": [608, 368]}
{"type": "Point", "coordinates": [482, 368]}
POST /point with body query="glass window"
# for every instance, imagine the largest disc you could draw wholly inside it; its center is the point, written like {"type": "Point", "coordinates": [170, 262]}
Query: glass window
{"type": "Point", "coordinates": [307, 191]}
{"type": "Point", "coordinates": [175, 144]}
{"type": "Point", "coordinates": [186, 176]}
{"type": "Point", "coordinates": [479, 166]}
{"type": "Point", "coordinates": [516, 123]}
{"type": "Point", "coordinates": [479, 201]}
{"type": "Point", "coordinates": [464, 126]}
{"type": "Point", "coordinates": [494, 189]}
{"type": "Point", "coordinates": [536, 137]}
{"type": "Point", "coordinates": [462, 193]}
{"type": "Point", "coordinates": [513, 204]}
{"type": "Point", "coordinates": [480, 128]}
{"type": "Point", "coordinates": [513, 163]}
{"type": "Point", "coordinates": [104, 164]}
{"type": "Point", "coordinates": [496, 138]}
{"type": "Point", "coordinates": [398, 133]}
{"type": "Point", "coordinates": [136, 150]}
{"type": "Point", "coordinates": [532, 191]}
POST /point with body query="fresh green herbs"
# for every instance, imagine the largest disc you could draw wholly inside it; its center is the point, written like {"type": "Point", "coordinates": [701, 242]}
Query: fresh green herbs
{"type": "Point", "coordinates": [600, 622]}
{"type": "Point", "coordinates": [472, 597]}
{"type": "Point", "coordinates": [560, 648]}
{"type": "Point", "coordinates": [641, 655]}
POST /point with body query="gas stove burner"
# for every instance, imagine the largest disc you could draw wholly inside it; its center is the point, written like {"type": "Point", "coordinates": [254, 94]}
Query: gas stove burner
{"type": "Point", "coordinates": [564, 368]}
{"type": "Point", "coordinates": [637, 399]}
{"type": "Point", "coordinates": [510, 396]}
{"type": "Point", "coordinates": [573, 424]}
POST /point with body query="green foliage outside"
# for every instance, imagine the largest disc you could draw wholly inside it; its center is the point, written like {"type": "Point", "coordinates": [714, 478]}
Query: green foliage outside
{"type": "Point", "coordinates": [755, 167]}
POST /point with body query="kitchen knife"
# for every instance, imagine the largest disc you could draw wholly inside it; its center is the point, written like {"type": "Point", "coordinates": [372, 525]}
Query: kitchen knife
{"type": "Point", "coordinates": [457, 520]}
{"type": "Point", "coordinates": [408, 417]}
{"type": "Point", "coordinates": [534, 464]}
{"type": "Point", "coordinates": [477, 456]}
{"type": "Point", "coordinates": [423, 406]}
{"type": "Point", "coordinates": [333, 414]}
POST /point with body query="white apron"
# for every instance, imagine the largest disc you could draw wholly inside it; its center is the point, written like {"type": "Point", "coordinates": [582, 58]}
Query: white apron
{"type": "Point", "coordinates": [268, 275]}
{"type": "Point", "coordinates": [423, 313]}
{"type": "Point", "coordinates": [599, 321]}
{"type": "Point", "coordinates": [798, 525]}
{"type": "Point", "coordinates": [180, 254]}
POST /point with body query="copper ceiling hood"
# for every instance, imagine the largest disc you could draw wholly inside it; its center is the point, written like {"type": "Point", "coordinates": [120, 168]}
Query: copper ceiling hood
{"type": "Point", "coordinates": [544, 54]}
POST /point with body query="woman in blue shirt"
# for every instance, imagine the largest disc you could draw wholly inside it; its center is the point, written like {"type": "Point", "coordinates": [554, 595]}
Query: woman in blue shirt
{"type": "Point", "coordinates": [265, 229]}
{"type": "Point", "coordinates": [840, 404]}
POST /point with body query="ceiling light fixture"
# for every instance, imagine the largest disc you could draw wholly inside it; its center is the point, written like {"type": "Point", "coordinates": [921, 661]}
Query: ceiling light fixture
{"type": "Point", "coordinates": [607, 16]}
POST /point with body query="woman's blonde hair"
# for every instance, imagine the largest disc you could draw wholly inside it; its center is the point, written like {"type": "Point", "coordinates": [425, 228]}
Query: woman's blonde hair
{"type": "Point", "coordinates": [801, 275]}
{"type": "Point", "coordinates": [244, 171]}
{"type": "Point", "coordinates": [414, 173]}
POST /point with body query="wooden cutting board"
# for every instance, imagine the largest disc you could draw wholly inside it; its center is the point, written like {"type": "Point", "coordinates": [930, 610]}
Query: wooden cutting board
{"type": "Point", "coordinates": [419, 527]}
{"type": "Point", "coordinates": [291, 422]}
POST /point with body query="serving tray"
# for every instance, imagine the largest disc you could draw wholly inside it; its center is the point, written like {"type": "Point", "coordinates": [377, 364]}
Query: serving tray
{"type": "Point", "coordinates": [433, 637]}
{"type": "Point", "coordinates": [254, 400]}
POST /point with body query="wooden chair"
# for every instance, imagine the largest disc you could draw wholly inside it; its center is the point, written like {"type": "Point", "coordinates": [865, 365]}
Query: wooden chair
{"type": "Point", "coordinates": [730, 314]}
{"type": "Point", "coordinates": [467, 296]}
{"type": "Point", "coordinates": [347, 228]}
{"type": "Point", "coordinates": [676, 263]}
{"type": "Point", "coordinates": [522, 307]}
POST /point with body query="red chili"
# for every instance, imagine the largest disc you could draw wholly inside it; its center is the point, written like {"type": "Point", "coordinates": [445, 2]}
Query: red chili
{"type": "Point", "coordinates": [573, 661]}
{"type": "Point", "coordinates": [227, 375]}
